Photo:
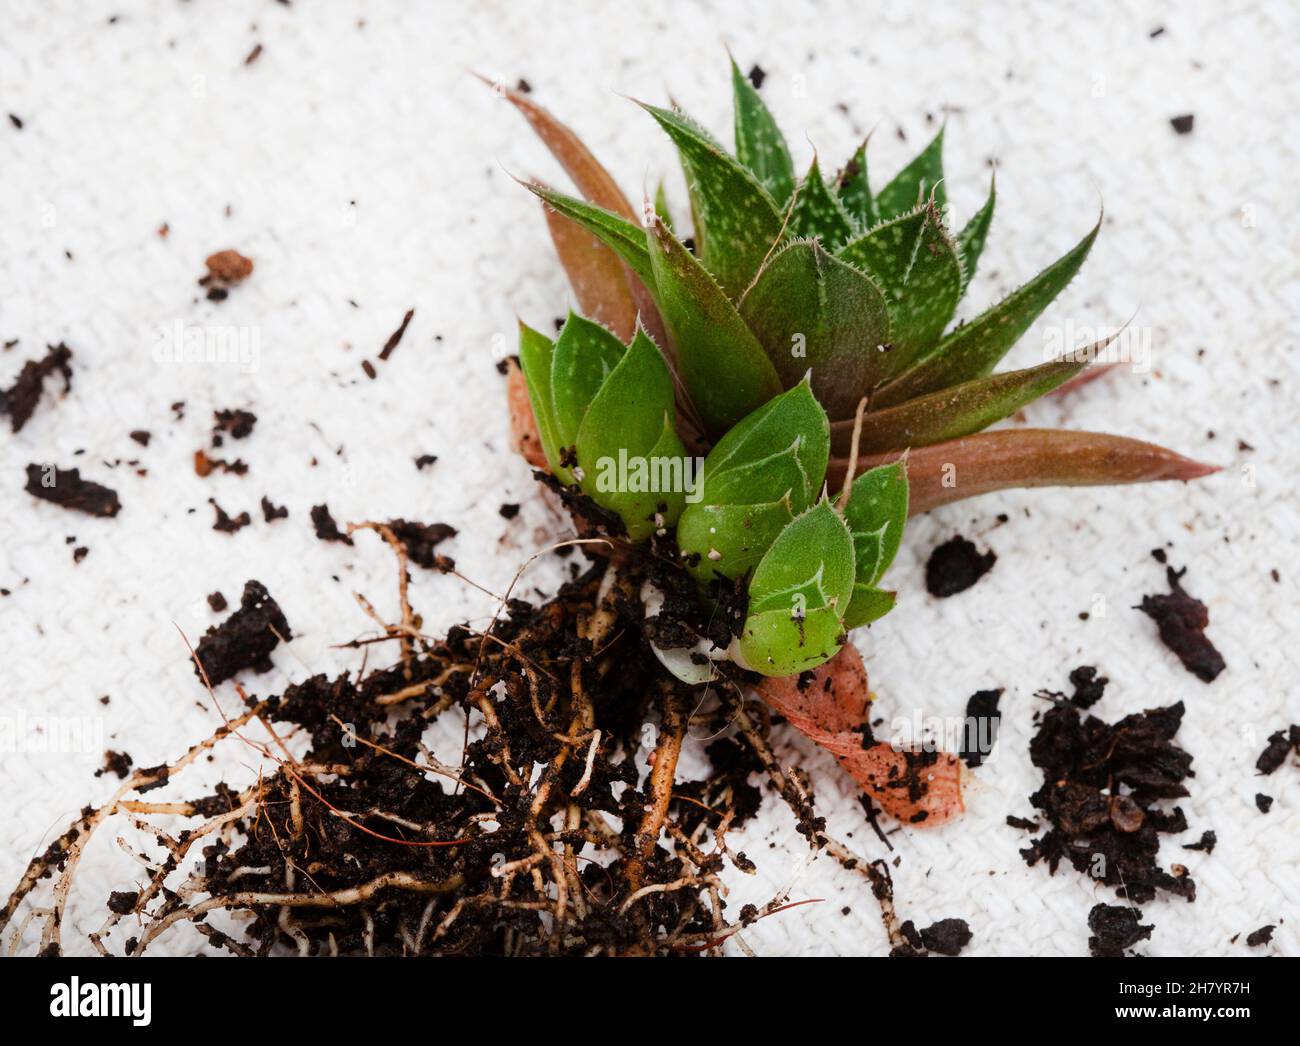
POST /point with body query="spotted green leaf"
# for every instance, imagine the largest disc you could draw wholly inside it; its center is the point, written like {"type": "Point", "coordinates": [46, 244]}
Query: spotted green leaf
{"type": "Point", "coordinates": [886, 250]}
{"type": "Point", "coordinates": [809, 309]}
{"type": "Point", "coordinates": [876, 513]}
{"type": "Point", "coordinates": [975, 348]}
{"type": "Point", "coordinates": [721, 363]}
{"type": "Point", "coordinates": [798, 595]}
{"type": "Point", "coordinates": [930, 291]}
{"type": "Point", "coordinates": [737, 221]}
{"type": "Point", "coordinates": [760, 146]}
{"type": "Point", "coordinates": [971, 239]}
{"type": "Point", "coordinates": [961, 409]}
{"type": "Point", "coordinates": [818, 212]}
{"type": "Point", "coordinates": [855, 190]}
{"type": "Point", "coordinates": [915, 182]}
{"type": "Point", "coordinates": [627, 239]}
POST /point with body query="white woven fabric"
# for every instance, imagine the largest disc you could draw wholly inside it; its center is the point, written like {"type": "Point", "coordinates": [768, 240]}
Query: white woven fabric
{"type": "Point", "coordinates": [355, 161]}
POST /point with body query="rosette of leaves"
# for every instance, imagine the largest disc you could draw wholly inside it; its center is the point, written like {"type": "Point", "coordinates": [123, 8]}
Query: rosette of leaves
{"type": "Point", "coordinates": [600, 405]}
{"type": "Point", "coordinates": [854, 286]}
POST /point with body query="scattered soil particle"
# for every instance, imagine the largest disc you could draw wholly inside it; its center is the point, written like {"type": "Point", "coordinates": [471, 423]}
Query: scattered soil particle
{"type": "Point", "coordinates": [205, 465]}
{"type": "Point", "coordinates": [1157, 31]}
{"type": "Point", "coordinates": [955, 566]}
{"type": "Point", "coordinates": [271, 512]}
{"type": "Point", "coordinates": [228, 266]}
{"type": "Point", "coordinates": [227, 524]}
{"type": "Point", "coordinates": [981, 729]}
{"type": "Point", "coordinates": [1182, 619]}
{"type": "Point", "coordinates": [142, 437]}
{"type": "Point", "coordinates": [1263, 802]}
{"type": "Point", "coordinates": [420, 540]}
{"type": "Point", "coordinates": [1023, 823]}
{"type": "Point", "coordinates": [395, 338]}
{"type": "Point", "coordinates": [1261, 936]}
{"type": "Point", "coordinates": [509, 510]}
{"type": "Point", "coordinates": [16, 121]}
{"type": "Point", "coordinates": [1100, 786]}
{"type": "Point", "coordinates": [1088, 686]}
{"type": "Point", "coordinates": [1206, 843]}
{"type": "Point", "coordinates": [326, 528]}
{"type": "Point", "coordinates": [947, 936]}
{"type": "Point", "coordinates": [757, 75]}
{"type": "Point", "coordinates": [523, 86]}
{"type": "Point", "coordinates": [117, 763]}
{"type": "Point", "coordinates": [245, 639]}
{"type": "Point", "coordinates": [236, 423]}
{"type": "Point", "coordinates": [1183, 124]}
{"type": "Point", "coordinates": [80, 553]}
{"type": "Point", "coordinates": [1115, 928]}
{"type": "Point", "coordinates": [66, 488]}
{"type": "Point", "coordinates": [1280, 745]}
{"type": "Point", "coordinates": [217, 602]}
{"type": "Point", "coordinates": [20, 399]}
{"type": "Point", "coordinates": [254, 54]}
{"type": "Point", "coordinates": [369, 369]}
{"type": "Point", "coordinates": [425, 461]}
{"type": "Point", "coordinates": [122, 902]}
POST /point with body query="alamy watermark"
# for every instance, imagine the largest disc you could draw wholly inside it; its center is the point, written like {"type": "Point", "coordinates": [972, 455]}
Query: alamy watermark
{"type": "Point", "coordinates": [1130, 345]}
{"type": "Point", "coordinates": [222, 346]}
{"type": "Point", "coordinates": [638, 474]}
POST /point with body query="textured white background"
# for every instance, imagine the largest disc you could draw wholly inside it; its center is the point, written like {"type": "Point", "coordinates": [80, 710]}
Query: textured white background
{"type": "Point", "coordinates": [359, 161]}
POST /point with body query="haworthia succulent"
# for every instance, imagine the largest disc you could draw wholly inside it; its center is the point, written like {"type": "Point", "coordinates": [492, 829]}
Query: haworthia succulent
{"type": "Point", "coordinates": [798, 595]}
{"type": "Point", "coordinates": [760, 146]}
{"type": "Point", "coordinates": [961, 409]}
{"type": "Point", "coordinates": [661, 207]}
{"type": "Point", "coordinates": [975, 348]}
{"type": "Point", "coordinates": [886, 250]}
{"type": "Point", "coordinates": [810, 310]}
{"type": "Point", "coordinates": [971, 239]}
{"type": "Point", "coordinates": [629, 455]}
{"type": "Point", "coordinates": [721, 363]}
{"type": "Point", "coordinates": [535, 353]}
{"type": "Point", "coordinates": [737, 221]}
{"type": "Point", "coordinates": [930, 292]}
{"type": "Point", "coordinates": [585, 354]}
{"type": "Point", "coordinates": [818, 212]}
{"type": "Point", "coordinates": [625, 238]}
{"type": "Point", "coordinates": [855, 190]}
{"type": "Point", "coordinates": [915, 182]}
{"type": "Point", "coordinates": [729, 540]}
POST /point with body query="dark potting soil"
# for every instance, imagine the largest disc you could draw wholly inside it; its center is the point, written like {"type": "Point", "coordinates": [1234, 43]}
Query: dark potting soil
{"type": "Point", "coordinates": [1115, 928]}
{"type": "Point", "coordinates": [1280, 744]}
{"type": "Point", "coordinates": [1261, 936]}
{"type": "Point", "coordinates": [955, 566]}
{"type": "Point", "coordinates": [20, 399]}
{"type": "Point", "coordinates": [1181, 620]}
{"type": "Point", "coordinates": [245, 639]}
{"type": "Point", "coordinates": [66, 488]}
{"type": "Point", "coordinates": [421, 539]}
{"type": "Point", "coordinates": [271, 512]}
{"type": "Point", "coordinates": [326, 528]}
{"type": "Point", "coordinates": [981, 728]}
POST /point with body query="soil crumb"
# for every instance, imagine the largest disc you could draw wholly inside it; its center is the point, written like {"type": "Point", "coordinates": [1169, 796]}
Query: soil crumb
{"type": "Point", "coordinates": [1088, 686]}
{"type": "Point", "coordinates": [66, 488]}
{"type": "Point", "coordinates": [326, 528]}
{"type": "Point", "coordinates": [226, 267]}
{"type": "Point", "coordinates": [245, 639]}
{"type": "Point", "coordinates": [1264, 803]}
{"type": "Point", "coordinates": [19, 401]}
{"type": "Point", "coordinates": [395, 338]}
{"type": "Point", "coordinates": [946, 937]}
{"type": "Point", "coordinates": [116, 763]}
{"type": "Point", "coordinates": [1115, 928]}
{"type": "Point", "coordinates": [1182, 619]}
{"type": "Point", "coordinates": [1183, 124]}
{"type": "Point", "coordinates": [1261, 936]}
{"type": "Point", "coordinates": [955, 566]}
{"type": "Point", "coordinates": [237, 424]}
{"type": "Point", "coordinates": [271, 512]}
{"type": "Point", "coordinates": [420, 540]}
{"type": "Point", "coordinates": [981, 729]}
{"type": "Point", "coordinates": [1100, 786]}
{"type": "Point", "coordinates": [225, 523]}
{"type": "Point", "coordinates": [1280, 745]}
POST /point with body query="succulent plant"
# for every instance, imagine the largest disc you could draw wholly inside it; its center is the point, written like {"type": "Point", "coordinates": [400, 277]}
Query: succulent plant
{"type": "Point", "coordinates": [807, 331]}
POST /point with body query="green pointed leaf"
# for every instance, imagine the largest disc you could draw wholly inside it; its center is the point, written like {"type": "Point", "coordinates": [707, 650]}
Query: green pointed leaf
{"type": "Point", "coordinates": [799, 594]}
{"type": "Point", "coordinates": [915, 182]}
{"type": "Point", "coordinates": [971, 239]}
{"type": "Point", "coordinates": [855, 190]}
{"type": "Point", "coordinates": [868, 604]}
{"type": "Point", "coordinates": [780, 449]}
{"type": "Point", "coordinates": [808, 310]}
{"type": "Point", "coordinates": [818, 212]}
{"type": "Point", "coordinates": [585, 354]}
{"type": "Point", "coordinates": [930, 293]}
{"type": "Point", "coordinates": [876, 514]}
{"type": "Point", "coordinates": [886, 251]}
{"type": "Point", "coordinates": [729, 540]}
{"type": "Point", "coordinates": [721, 363]}
{"type": "Point", "coordinates": [630, 457]}
{"type": "Point", "coordinates": [961, 409]}
{"type": "Point", "coordinates": [737, 221]}
{"type": "Point", "coordinates": [626, 239]}
{"type": "Point", "coordinates": [974, 349]}
{"type": "Point", "coordinates": [535, 354]}
{"type": "Point", "coordinates": [760, 146]}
